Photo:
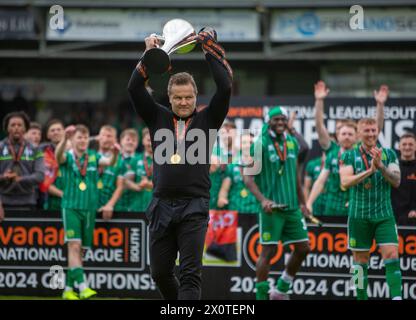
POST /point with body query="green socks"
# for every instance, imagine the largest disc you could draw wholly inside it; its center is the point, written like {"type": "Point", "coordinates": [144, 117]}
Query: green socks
{"type": "Point", "coordinates": [361, 280]}
{"type": "Point", "coordinates": [282, 285]}
{"type": "Point", "coordinates": [394, 277]}
{"type": "Point", "coordinates": [69, 279]}
{"type": "Point", "coordinates": [78, 275]}
{"type": "Point", "coordinates": [262, 292]}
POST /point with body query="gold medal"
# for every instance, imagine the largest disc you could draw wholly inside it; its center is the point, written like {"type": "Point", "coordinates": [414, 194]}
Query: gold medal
{"type": "Point", "coordinates": [175, 159]}
{"type": "Point", "coordinates": [244, 193]}
{"type": "Point", "coordinates": [367, 185]}
{"type": "Point", "coordinates": [100, 184]}
{"type": "Point", "coordinates": [82, 186]}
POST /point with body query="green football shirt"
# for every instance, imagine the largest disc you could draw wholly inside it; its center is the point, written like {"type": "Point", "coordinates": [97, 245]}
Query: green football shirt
{"type": "Point", "coordinates": [107, 182]}
{"type": "Point", "coordinates": [239, 197]}
{"type": "Point", "coordinates": [369, 199]}
{"type": "Point", "coordinates": [277, 179]}
{"type": "Point", "coordinates": [337, 199]}
{"type": "Point", "coordinates": [218, 176]}
{"type": "Point", "coordinates": [80, 192]}
{"type": "Point", "coordinates": [141, 200]}
{"type": "Point", "coordinates": [313, 169]}
{"type": "Point", "coordinates": [126, 198]}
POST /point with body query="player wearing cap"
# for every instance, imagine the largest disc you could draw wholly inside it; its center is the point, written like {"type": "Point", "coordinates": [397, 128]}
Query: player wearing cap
{"type": "Point", "coordinates": [278, 182]}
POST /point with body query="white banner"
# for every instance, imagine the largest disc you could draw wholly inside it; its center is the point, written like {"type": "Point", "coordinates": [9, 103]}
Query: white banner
{"type": "Point", "coordinates": [334, 25]}
{"type": "Point", "coordinates": [135, 25]}
{"type": "Point", "coordinates": [59, 90]}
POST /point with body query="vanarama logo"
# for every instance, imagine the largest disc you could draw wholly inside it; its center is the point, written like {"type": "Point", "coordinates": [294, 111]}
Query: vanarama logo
{"type": "Point", "coordinates": [331, 241]}
{"type": "Point", "coordinates": [52, 236]}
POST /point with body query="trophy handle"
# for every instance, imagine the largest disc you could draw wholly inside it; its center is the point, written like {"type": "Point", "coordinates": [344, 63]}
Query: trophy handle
{"type": "Point", "coordinates": [156, 60]}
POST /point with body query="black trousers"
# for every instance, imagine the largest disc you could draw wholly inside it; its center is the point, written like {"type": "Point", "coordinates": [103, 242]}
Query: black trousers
{"type": "Point", "coordinates": [177, 225]}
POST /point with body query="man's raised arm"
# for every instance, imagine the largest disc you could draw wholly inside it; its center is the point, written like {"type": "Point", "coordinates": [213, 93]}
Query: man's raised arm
{"type": "Point", "coordinates": [139, 95]}
{"type": "Point", "coordinates": [321, 92]}
{"type": "Point", "coordinates": [222, 74]}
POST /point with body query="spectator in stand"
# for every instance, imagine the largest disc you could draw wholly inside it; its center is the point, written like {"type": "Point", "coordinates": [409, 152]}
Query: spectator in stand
{"type": "Point", "coordinates": [34, 134]}
{"type": "Point", "coordinates": [21, 164]}
{"type": "Point", "coordinates": [404, 197]}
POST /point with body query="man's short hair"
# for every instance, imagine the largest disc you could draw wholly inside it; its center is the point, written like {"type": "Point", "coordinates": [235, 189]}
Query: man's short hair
{"type": "Point", "coordinates": [82, 129]}
{"type": "Point", "coordinates": [16, 114]}
{"type": "Point", "coordinates": [129, 132]}
{"type": "Point", "coordinates": [364, 121]}
{"type": "Point", "coordinates": [35, 125]}
{"type": "Point", "coordinates": [109, 128]}
{"type": "Point", "coordinates": [408, 135]}
{"type": "Point", "coordinates": [229, 122]}
{"type": "Point", "coordinates": [180, 79]}
{"type": "Point", "coordinates": [145, 131]}
{"type": "Point", "coordinates": [53, 122]}
{"type": "Point", "coordinates": [349, 124]}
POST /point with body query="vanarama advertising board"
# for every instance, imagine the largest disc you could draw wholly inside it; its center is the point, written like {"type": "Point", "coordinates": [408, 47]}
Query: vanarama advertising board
{"type": "Point", "coordinates": [118, 264]}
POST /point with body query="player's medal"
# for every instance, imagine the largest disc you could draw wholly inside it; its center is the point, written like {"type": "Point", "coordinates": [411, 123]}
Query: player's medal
{"type": "Point", "coordinates": [180, 136]}
{"type": "Point", "coordinates": [175, 158]}
{"type": "Point", "coordinates": [100, 184]}
{"type": "Point", "coordinates": [82, 171]}
{"type": "Point", "coordinates": [82, 186]}
{"type": "Point", "coordinates": [244, 193]}
{"type": "Point", "coordinates": [368, 185]}
{"type": "Point", "coordinates": [282, 156]}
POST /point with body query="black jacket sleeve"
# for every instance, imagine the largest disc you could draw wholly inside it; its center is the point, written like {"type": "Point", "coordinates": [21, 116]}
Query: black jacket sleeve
{"type": "Point", "coordinates": [141, 99]}
{"type": "Point", "coordinates": [218, 106]}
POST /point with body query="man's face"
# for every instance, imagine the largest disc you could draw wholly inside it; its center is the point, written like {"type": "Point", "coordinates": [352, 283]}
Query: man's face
{"type": "Point", "coordinates": [228, 134]}
{"type": "Point", "coordinates": [338, 126]}
{"type": "Point", "coordinates": [369, 134]}
{"type": "Point", "coordinates": [34, 136]}
{"type": "Point", "coordinates": [183, 100]}
{"type": "Point", "coordinates": [346, 137]}
{"type": "Point", "coordinates": [278, 124]}
{"type": "Point", "coordinates": [80, 141]}
{"type": "Point", "coordinates": [129, 144]}
{"type": "Point", "coordinates": [407, 147]}
{"type": "Point", "coordinates": [107, 138]}
{"type": "Point", "coordinates": [16, 128]}
{"type": "Point", "coordinates": [55, 133]}
{"type": "Point", "coordinates": [246, 141]}
{"type": "Point", "coordinates": [147, 143]}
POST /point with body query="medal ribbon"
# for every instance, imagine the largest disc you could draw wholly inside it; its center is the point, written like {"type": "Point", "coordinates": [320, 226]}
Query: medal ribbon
{"type": "Point", "coordinates": [149, 171]}
{"type": "Point", "coordinates": [16, 158]}
{"type": "Point", "coordinates": [179, 137]}
{"type": "Point", "coordinates": [83, 170]}
{"type": "Point", "coordinates": [283, 156]}
{"type": "Point", "coordinates": [364, 157]}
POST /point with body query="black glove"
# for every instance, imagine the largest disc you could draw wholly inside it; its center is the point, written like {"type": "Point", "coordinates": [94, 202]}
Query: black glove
{"type": "Point", "coordinates": [208, 38]}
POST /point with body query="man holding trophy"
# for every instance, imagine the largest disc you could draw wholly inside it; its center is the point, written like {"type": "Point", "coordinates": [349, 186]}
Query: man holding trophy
{"type": "Point", "coordinates": [178, 213]}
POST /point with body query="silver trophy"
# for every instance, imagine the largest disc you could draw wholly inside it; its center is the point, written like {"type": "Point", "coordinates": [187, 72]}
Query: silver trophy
{"type": "Point", "coordinates": [177, 38]}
